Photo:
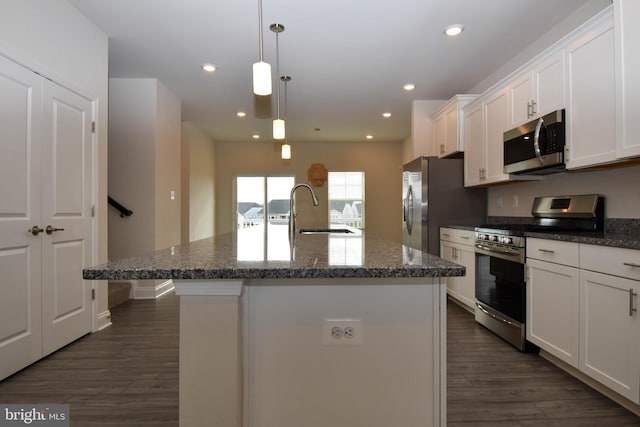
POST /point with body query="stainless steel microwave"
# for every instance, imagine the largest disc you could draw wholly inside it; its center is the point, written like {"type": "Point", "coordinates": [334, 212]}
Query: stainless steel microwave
{"type": "Point", "coordinates": [536, 147]}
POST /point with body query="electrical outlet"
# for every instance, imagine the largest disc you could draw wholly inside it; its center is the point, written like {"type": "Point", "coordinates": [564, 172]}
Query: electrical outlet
{"type": "Point", "coordinates": [345, 332]}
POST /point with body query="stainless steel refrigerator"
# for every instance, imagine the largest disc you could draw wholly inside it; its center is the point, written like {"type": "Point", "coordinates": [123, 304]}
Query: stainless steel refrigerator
{"type": "Point", "coordinates": [433, 195]}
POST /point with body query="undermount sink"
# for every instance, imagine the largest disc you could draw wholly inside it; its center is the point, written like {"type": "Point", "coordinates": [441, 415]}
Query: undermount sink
{"type": "Point", "coordinates": [324, 231]}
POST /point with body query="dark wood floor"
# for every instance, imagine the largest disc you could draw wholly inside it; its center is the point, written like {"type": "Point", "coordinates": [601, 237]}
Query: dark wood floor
{"type": "Point", "coordinates": [127, 375]}
{"type": "Point", "coordinates": [492, 384]}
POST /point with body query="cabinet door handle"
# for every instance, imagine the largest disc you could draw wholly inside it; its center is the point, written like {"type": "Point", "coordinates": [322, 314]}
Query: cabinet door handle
{"type": "Point", "coordinates": [533, 108]}
{"type": "Point", "coordinates": [465, 237]}
{"type": "Point", "coordinates": [631, 264]}
{"type": "Point", "coordinates": [529, 109]}
{"type": "Point", "coordinates": [446, 234]}
{"type": "Point", "coordinates": [546, 251]}
{"type": "Point", "coordinates": [631, 308]}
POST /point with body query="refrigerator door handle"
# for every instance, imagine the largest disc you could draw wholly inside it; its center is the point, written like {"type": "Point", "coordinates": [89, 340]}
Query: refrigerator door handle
{"type": "Point", "coordinates": [407, 209]}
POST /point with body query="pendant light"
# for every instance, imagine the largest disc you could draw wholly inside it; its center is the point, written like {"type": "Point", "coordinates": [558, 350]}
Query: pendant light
{"type": "Point", "coordinates": [285, 151]}
{"type": "Point", "coordinates": [278, 123]}
{"type": "Point", "coordinates": [261, 69]}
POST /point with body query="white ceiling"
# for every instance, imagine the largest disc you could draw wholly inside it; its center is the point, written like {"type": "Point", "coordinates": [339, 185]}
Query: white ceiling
{"type": "Point", "coordinates": [348, 59]}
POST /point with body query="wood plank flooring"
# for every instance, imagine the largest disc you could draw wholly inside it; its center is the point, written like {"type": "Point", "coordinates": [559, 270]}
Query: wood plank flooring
{"type": "Point", "coordinates": [490, 383]}
{"type": "Point", "coordinates": [127, 375]}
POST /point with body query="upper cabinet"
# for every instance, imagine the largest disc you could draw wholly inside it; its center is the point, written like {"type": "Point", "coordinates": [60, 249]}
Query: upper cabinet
{"type": "Point", "coordinates": [591, 96]}
{"type": "Point", "coordinates": [538, 90]}
{"type": "Point", "coordinates": [593, 73]}
{"type": "Point", "coordinates": [447, 126]}
{"type": "Point", "coordinates": [485, 122]}
{"type": "Point", "coordinates": [627, 34]}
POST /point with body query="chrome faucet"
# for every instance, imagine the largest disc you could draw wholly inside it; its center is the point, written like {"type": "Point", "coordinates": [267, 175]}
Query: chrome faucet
{"type": "Point", "coordinates": [292, 207]}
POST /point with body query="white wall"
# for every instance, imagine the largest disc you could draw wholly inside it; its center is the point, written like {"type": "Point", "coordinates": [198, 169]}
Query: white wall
{"type": "Point", "coordinates": [198, 179]}
{"type": "Point", "coordinates": [381, 162]}
{"type": "Point", "coordinates": [54, 39]}
{"type": "Point", "coordinates": [132, 153]}
{"type": "Point", "coordinates": [619, 186]}
{"type": "Point", "coordinates": [167, 167]}
{"type": "Point", "coordinates": [144, 166]}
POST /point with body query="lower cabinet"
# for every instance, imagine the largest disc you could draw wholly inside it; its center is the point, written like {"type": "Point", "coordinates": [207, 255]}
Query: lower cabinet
{"type": "Point", "coordinates": [610, 332]}
{"type": "Point", "coordinates": [552, 309]}
{"type": "Point", "coordinates": [585, 313]}
{"type": "Point", "coordinates": [457, 246]}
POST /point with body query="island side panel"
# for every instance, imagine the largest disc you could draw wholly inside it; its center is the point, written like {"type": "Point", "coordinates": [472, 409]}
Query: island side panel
{"type": "Point", "coordinates": [210, 360]}
{"type": "Point", "coordinates": [395, 377]}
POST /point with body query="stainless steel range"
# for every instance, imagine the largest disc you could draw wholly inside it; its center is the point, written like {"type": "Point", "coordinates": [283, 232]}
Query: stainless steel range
{"type": "Point", "coordinates": [501, 254]}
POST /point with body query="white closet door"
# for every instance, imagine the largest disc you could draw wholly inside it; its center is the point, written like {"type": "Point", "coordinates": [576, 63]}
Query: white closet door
{"type": "Point", "coordinates": [20, 209]}
{"type": "Point", "coordinates": [66, 212]}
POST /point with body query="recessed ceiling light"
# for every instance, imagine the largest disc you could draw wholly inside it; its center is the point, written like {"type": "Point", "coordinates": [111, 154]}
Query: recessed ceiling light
{"type": "Point", "coordinates": [369, 137]}
{"type": "Point", "coordinates": [409, 86]}
{"type": "Point", "coordinates": [386, 115]}
{"type": "Point", "coordinates": [209, 68]}
{"type": "Point", "coordinates": [256, 136]}
{"type": "Point", "coordinates": [241, 114]}
{"type": "Point", "coordinates": [453, 30]}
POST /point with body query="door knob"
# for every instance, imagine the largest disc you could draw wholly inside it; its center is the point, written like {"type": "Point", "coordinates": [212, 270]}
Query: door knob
{"type": "Point", "coordinates": [35, 230]}
{"type": "Point", "coordinates": [51, 229]}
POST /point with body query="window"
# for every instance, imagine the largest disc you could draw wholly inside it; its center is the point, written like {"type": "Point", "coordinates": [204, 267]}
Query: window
{"type": "Point", "coordinates": [346, 199]}
{"type": "Point", "coordinates": [262, 205]}
{"type": "Point", "coordinates": [260, 197]}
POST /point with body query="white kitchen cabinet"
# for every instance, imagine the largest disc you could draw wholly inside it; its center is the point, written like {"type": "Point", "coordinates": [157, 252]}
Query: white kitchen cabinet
{"type": "Point", "coordinates": [484, 125]}
{"type": "Point", "coordinates": [610, 332]}
{"type": "Point", "coordinates": [591, 95]}
{"type": "Point", "coordinates": [496, 114]}
{"type": "Point", "coordinates": [474, 142]}
{"type": "Point", "coordinates": [538, 89]}
{"type": "Point", "coordinates": [457, 246]}
{"type": "Point", "coordinates": [553, 298]}
{"type": "Point", "coordinates": [609, 318]}
{"type": "Point", "coordinates": [627, 34]}
{"type": "Point", "coordinates": [447, 126]}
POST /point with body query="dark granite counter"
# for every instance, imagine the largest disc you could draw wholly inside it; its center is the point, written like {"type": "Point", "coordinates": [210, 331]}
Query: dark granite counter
{"type": "Point", "coordinates": [256, 254]}
{"type": "Point", "coordinates": [618, 232]}
{"type": "Point", "coordinates": [627, 241]}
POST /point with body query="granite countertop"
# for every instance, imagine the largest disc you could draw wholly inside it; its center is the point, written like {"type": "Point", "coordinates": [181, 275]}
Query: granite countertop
{"type": "Point", "coordinates": [618, 240]}
{"type": "Point", "coordinates": [254, 254]}
{"type": "Point", "coordinates": [618, 232]}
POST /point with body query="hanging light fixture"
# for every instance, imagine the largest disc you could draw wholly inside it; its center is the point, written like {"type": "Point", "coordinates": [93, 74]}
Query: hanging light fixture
{"type": "Point", "coordinates": [285, 151]}
{"type": "Point", "coordinates": [261, 69]}
{"type": "Point", "coordinates": [278, 123]}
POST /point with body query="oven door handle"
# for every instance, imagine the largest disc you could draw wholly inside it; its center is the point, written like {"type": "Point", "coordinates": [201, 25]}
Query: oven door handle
{"type": "Point", "coordinates": [489, 249]}
{"type": "Point", "coordinates": [493, 315]}
{"type": "Point", "coordinates": [536, 141]}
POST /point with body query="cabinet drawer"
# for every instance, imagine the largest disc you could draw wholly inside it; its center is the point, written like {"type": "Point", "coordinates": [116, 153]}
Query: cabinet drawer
{"type": "Point", "coordinates": [464, 237]}
{"type": "Point", "coordinates": [565, 253]}
{"type": "Point", "coordinates": [615, 261]}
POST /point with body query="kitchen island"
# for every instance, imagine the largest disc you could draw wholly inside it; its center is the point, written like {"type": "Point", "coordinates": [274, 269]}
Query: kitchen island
{"type": "Point", "coordinates": [330, 330]}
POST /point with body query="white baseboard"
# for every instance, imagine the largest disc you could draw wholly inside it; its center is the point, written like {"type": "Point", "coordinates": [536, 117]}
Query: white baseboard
{"type": "Point", "coordinates": [152, 292]}
{"type": "Point", "coordinates": [104, 320]}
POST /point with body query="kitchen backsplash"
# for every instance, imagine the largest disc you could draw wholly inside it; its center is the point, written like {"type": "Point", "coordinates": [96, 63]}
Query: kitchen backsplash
{"type": "Point", "coordinates": [618, 185]}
